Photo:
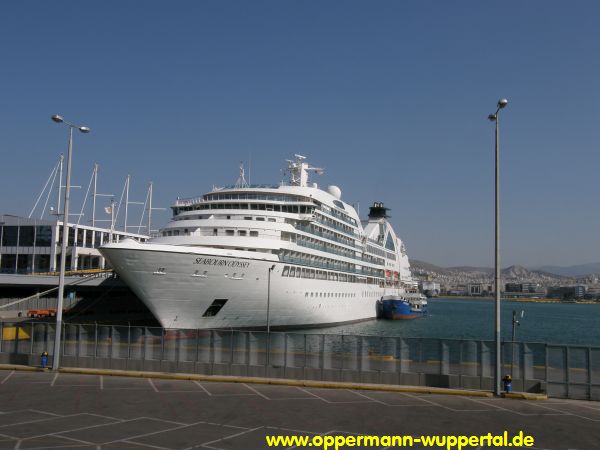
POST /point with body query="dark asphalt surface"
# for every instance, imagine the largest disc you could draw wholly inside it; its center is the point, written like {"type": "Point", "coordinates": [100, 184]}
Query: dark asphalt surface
{"type": "Point", "coordinates": [47, 410]}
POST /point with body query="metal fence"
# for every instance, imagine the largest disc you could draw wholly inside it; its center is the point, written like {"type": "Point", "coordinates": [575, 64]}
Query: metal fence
{"type": "Point", "coordinates": [560, 370]}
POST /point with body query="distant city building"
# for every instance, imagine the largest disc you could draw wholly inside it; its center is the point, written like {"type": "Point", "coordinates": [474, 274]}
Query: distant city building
{"type": "Point", "coordinates": [525, 288]}
{"type": "Point", "coordinates": [430, 288]}
{"type": "Point", "coordinates": [479, 289]}
{"type": "Point", "coordinates": [567, 292]}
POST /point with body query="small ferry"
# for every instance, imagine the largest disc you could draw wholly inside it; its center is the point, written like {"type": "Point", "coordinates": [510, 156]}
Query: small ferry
{"type": "Point", "coordinates": [409, 306]}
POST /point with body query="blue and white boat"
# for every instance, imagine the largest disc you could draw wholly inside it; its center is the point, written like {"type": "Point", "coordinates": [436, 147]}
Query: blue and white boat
{"type": "Point", "coordinates": [394, 307]}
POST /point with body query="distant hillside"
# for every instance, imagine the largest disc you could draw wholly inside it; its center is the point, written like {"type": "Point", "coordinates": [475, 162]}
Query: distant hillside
{"type": "Point", "coordinates": [573, 271]}
{"type": "Point", "coordinates": [513, 273]}
{"type": "Point", "coordinates": [422, 265]}
{"type": "Point", "coordinates": [471, 269]}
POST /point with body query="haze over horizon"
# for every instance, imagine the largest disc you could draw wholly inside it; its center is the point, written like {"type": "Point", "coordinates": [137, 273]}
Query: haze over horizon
{"type": "Point", "coordinates": [391, 98]}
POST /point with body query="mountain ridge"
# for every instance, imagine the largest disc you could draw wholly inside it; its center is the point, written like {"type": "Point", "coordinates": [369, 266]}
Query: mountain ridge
{"type": "Point", "coordinates": [516, 272]}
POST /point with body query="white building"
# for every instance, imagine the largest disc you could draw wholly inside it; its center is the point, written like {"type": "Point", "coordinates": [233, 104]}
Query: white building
{"type": "Point", "coordinates": [33, 245]}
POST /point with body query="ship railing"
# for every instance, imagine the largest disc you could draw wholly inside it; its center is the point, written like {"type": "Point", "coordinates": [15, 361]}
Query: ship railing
{"type": "Point", "coordinates": [331, 266]}
{"type": "Point", "coordinates": [565, 371]}
{"type": "Point", "coordinates": [323, 248]}
{"type": "Point", "coordinates": [330, 237]}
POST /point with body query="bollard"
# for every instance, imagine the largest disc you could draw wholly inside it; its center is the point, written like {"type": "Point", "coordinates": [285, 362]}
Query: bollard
{"type": "Point", "coordinates": [44, 359]}
{"type": "Point", "coordinates": [507, 381]}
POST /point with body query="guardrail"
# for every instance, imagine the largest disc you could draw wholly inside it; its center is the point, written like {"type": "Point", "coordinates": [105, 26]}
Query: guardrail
{"type": "Point", "coordinates": [559, 370]}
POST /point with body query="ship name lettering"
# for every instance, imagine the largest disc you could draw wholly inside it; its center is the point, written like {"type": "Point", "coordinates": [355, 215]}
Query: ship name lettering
{"type": "Point", "coordinates": [221, 263]}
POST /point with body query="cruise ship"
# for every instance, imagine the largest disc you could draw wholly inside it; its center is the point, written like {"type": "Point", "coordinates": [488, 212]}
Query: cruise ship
{"type": "Point", "coordinates": [248, 256]}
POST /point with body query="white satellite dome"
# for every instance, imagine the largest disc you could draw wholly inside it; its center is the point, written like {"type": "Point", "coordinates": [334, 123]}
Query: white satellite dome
{"type": "Point", "coordinates": [335, 191]}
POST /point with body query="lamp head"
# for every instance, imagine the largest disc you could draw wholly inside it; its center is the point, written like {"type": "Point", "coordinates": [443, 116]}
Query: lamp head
{"type": "Point", "coordinates": [502, 103]}
{"type": "Point", "coordinates": [84, 129]}
{"type": "Point", "coordinates": [58, 119]}
{"type": "Point", "coordinates": [492, 117]}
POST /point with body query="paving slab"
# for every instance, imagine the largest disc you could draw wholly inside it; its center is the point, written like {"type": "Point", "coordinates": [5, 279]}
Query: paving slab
{"type": "Point", "coordinates": [30, 377]}
{"type": "Point", "coordinates": [134, 413]}
{"type": "Point", "coordinates": [188, 436]}
{"type": "Point", "coordinates": [519, 407]}
{"type": "Point", "coordinates": [67, 379]}
{"type": "Point", "coordinates": [8, 443]}
{"type": "Point", "coordinates": [177, 386]}
{"type": "Point", "coordinates": [229, 389]}
{"type": "Point", "coordinates": [452, 403]}
{"type": "Point", "coordinates": [54, 425]}
{"type": "Point", "coordinates": [337, 396]}
{"type": "Point", "coordinates": [52, 442]}
{"type": "Point", "coordinates": [23, 416]}
{"type": "Point", "coordinates": [125, 383]}
{"type": "Point", "coordinates": [394, 399]}
{"type": "Point", "coordinates": [280, 392]}
{"type": "Point", "coordinates": [125, 430]}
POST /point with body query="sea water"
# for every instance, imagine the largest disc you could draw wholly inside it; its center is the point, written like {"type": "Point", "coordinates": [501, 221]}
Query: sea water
{"type": "Point", "coordinates": [556, 323]}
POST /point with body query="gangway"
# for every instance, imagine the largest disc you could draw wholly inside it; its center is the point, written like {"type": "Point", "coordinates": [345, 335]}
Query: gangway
{"type": "Point", "coordinates": [96, 273]}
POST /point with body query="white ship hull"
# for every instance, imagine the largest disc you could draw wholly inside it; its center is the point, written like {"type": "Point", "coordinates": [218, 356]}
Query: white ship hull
{"type": "Point", "coordinates": [179, 284]}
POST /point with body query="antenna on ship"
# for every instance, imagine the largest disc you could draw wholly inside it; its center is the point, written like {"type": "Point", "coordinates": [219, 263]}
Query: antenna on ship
{"type": "Point", "coordinates": [241, 181]}
{"type": "Point", "coordinates": [298, 171]}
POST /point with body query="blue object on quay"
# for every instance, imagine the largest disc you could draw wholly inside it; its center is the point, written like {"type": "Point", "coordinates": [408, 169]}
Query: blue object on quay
{"type": "Point", "coordinates": [507, 381]}
{"type": "Point", "coordinates": [44, 359]}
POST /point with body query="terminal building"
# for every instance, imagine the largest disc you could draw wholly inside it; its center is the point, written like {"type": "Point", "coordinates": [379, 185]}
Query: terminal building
{"type": "Point", "coordinates": [30, 246]}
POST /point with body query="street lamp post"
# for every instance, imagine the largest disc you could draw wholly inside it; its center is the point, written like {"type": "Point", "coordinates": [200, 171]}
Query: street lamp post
{"type": "Point", "coordinates": [497, 288]}
{"type": "Point", "coordinates": [515, 323]}
{"type": "Point", "coordinates": [65, 236]}
{"type": "Point", "coordinates": [268, 312]}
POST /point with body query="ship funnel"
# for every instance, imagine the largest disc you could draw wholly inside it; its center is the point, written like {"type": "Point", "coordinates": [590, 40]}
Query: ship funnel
{"type": "Point", "coordinates": [378, 211]}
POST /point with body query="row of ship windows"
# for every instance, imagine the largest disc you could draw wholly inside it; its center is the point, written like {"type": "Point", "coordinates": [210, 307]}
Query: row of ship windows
{"type": "Point", "coordinates": [277, 198]}
{"type": "Point", "coordinates": [340, 294]}
{"type": "Point", "coordinates": [253, 196]}
{"type": "Point", "coordinates": [303, 272]}
{"type": "Point", "coordinates": [292, 209]}
{"type": "Point", "coordinates": [258, 218]}
{"type": "Point", "coordinates": [185, 232]}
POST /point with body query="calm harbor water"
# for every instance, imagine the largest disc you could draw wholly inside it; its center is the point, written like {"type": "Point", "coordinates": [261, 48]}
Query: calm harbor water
{"type": "Point", "coordinates": [561, 323]}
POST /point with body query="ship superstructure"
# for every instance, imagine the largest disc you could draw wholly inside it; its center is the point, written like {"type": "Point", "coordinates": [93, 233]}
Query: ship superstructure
{"type": "Point", "coordinates": [293, 252]}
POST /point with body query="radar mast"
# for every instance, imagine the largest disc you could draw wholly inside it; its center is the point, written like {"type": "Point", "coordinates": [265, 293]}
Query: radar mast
{"type": "Point", "coordinates": [298, 170]}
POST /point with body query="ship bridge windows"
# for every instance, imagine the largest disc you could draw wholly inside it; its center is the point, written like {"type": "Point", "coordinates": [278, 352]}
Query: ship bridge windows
{"type": "Point", "coordinates": [256, 196]}
{"type": "Point", "coordinates": [389, 243]}
{"type": "Point", "coordinates": [290, 209]}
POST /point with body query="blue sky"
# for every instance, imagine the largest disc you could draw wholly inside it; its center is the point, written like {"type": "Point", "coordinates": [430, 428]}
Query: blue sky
{"type": "Point", "coordinates": [390, 97]}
